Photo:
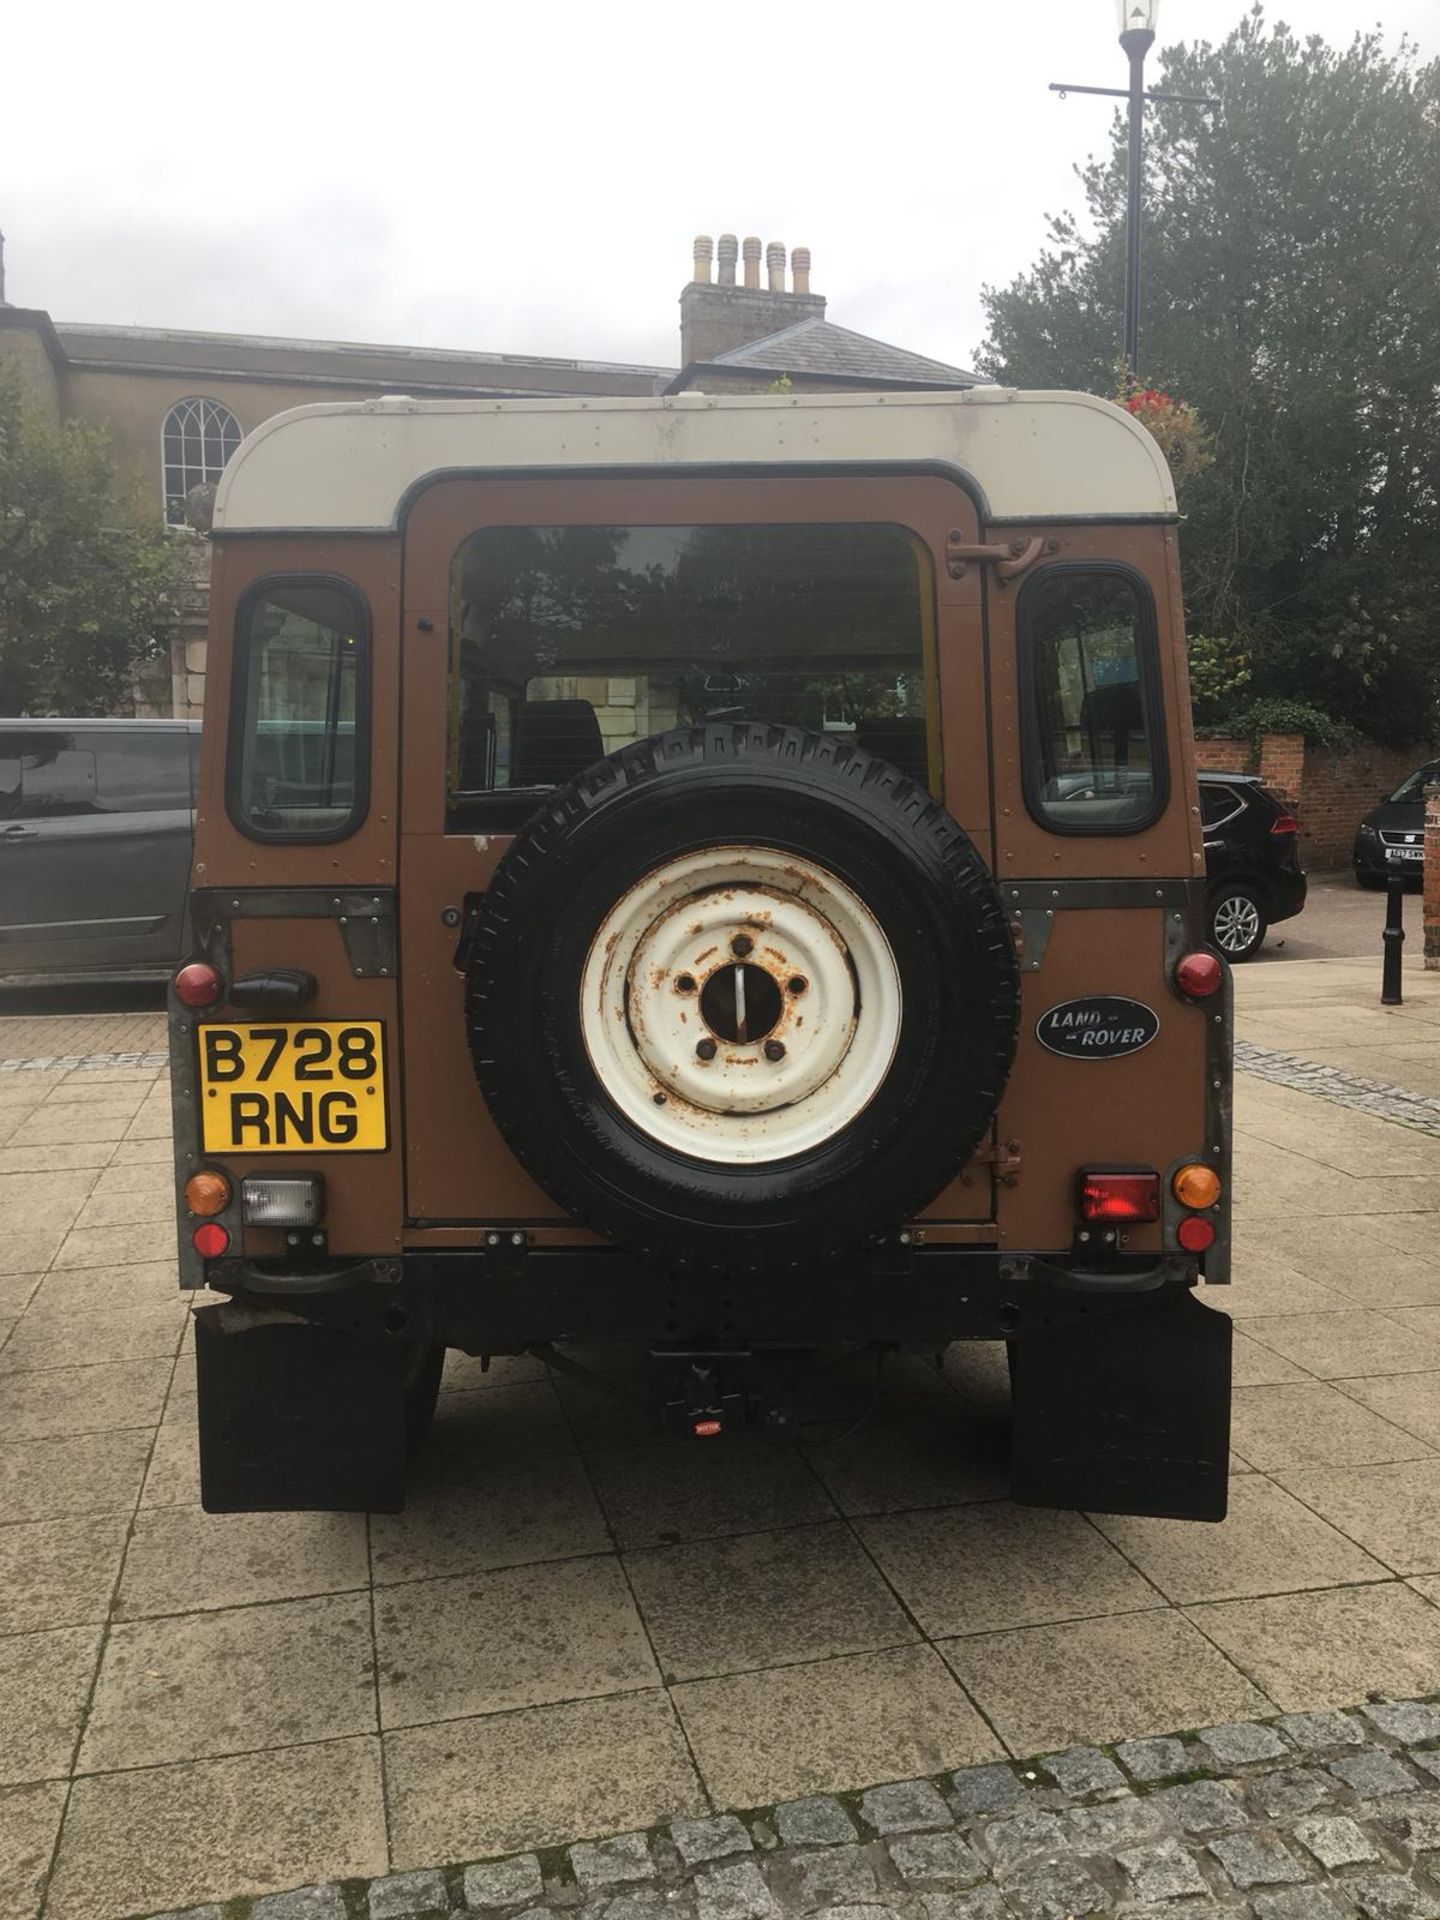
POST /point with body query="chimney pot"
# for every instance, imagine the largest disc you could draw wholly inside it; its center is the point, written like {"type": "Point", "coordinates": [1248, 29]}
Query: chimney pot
{"type": "Point", "coordinates": [728, 252]}
{"type": "Point", "coordinates": [800, 267]}
{"type": "Point", "coordinates": [775, 265]}
{"type": "Point", "coordinates": [704, 254]}
{"type": "Point", "coordinates": [752, 260]}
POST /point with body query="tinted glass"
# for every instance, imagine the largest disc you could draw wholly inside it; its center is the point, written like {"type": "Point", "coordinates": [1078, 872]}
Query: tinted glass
{"type": "Point", "coordinates": [1217, 804]}
{"type": "Point", "coordinates": [1414, 787]}
{"type": "Point", "coordinates": [295, 771]}
{"type": "Point", "coordinates": [1087, 660]}
{"type": "Point", "coordinates": [571, 642]}
{"type": "Point", "coordinates": [140, 772]}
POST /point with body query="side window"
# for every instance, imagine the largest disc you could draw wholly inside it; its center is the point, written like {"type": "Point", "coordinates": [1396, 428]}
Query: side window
{"type": "Point", "coordinates": [140, 772]}
{"type": "Point", "coordinates": [299, 750]}
{"type": "Point", "coordinates": [44, 775]}
{"type": "Point", "coordinates": [1217, 804]}
{"type": "Point", "coordinates": [1089, 686]}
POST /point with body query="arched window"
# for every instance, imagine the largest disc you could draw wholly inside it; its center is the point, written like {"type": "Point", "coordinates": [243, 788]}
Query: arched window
{"type": "Point", "coordinates": [199, 437]}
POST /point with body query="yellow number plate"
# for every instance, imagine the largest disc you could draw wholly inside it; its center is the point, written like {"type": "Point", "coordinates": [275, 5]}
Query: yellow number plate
{"type": "Point", "coordinates": [316, 1086]}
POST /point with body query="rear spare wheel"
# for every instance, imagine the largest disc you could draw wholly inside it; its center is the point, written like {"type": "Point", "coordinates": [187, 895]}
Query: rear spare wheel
{"type": "Point", "coordinates": [742, 994]}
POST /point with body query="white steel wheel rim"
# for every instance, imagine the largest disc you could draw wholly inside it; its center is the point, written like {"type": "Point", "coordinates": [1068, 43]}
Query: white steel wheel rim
{"type": "Point", "coordinates": [1237, 921]}
{"type": "Point", "coordinates": [735, 1053]}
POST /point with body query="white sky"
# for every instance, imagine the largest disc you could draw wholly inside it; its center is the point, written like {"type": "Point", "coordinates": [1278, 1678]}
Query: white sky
{"type": "Point", "coordinates": [529, 179]}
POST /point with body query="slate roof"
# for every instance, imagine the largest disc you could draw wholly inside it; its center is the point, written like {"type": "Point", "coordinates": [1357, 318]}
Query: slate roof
{"type": "Point", "coordinates": [817, 346]}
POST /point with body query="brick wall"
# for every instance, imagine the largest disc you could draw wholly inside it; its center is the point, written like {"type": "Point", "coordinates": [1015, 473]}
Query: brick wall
{"type": "Point", "coordinates": [1331, 792]}
{"type": "Point", "coordinates": [1223, 754]}
{"type": "Point", "coordinates": [1339, 789]}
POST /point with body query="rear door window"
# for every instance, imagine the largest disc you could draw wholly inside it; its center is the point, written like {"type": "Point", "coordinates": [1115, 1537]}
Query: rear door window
{"type": "Point", "coordinates": [299, 755]}
{"type": "Point", "coordinates": [1089, 685]}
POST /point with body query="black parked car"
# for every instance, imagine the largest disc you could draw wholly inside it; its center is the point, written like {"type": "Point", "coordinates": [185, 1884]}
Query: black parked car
{"type": "Point", "coordinates": [1252, 861]}
{"type": "Point", "coordinates": [1391, 837]}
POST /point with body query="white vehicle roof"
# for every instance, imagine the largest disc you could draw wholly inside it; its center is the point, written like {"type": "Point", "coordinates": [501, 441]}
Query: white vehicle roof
{"type": "Point", "coordinates": [352, 466]}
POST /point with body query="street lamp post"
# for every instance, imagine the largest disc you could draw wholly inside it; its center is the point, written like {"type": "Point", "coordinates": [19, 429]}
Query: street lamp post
{"type": "Point", "coordinates": [1137, 36]}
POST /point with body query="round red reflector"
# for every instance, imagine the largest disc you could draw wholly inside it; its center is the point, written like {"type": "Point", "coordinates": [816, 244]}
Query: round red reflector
{"type": "Point", "coordinates": [1199, 975]}
{"type": "Point", "coordinates": [1195, 1234]}
{"type": "Point", "coordinates": [198, 985]}
{"type": "Point", "coordinates": [211, 1240]}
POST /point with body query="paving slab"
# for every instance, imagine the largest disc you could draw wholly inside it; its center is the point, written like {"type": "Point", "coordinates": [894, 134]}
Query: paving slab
{"type": "Point", "coordinates": [792, 1731]}
{"type": "Point", "coordinates": [521, 1637]}
{"type": "Point", "coordinates": [1043, 1688]}
{"type": "Point", "coordinates": [538, 1777]}
{"type": "Point", "coordinates": [1329, 1648]}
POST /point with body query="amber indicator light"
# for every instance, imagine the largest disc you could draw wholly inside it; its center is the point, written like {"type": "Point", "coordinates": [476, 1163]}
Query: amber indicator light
{"type": "Point", "coordinates": [207, 1192]}
{"type": "Point", "coordinates": [1196, 1186]}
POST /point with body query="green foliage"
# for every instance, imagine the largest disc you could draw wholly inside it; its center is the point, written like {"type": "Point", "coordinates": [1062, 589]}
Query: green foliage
{"type": "Point", "coordinates": [1294, 716]}
{"type": "Point", "coordinates": [1291, 293]}
{"type": "Point", "coordinates": [1219, 668]}
{"type": "Point", "coordinates": [82, 592]}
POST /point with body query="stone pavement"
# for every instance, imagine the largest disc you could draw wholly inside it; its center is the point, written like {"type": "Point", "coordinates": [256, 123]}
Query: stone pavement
{"type": "Point", "coordinates": [575, 1630]}
{"type": "Point", "coordinates": [1312, 1816]}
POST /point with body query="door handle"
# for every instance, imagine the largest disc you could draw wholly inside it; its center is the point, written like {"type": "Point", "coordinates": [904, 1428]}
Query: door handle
{"type": "Point", "coordinates": [20, 833]}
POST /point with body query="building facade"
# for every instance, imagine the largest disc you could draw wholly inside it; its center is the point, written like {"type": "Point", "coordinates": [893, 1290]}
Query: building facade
{"type": "Point", "coordinates": [176, 404]}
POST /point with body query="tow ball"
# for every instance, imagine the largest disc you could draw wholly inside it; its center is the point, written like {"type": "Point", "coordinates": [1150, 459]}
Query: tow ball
{"type": "Point", "coordinates": [702, 1394]}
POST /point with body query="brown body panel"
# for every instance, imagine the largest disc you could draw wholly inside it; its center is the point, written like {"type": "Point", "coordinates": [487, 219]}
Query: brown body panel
{"type": "Point", "coordinates": [458, 1174]}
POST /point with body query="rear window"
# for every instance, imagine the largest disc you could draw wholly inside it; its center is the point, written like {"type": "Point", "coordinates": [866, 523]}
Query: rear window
{"type": "Point", "coordinates": [299, 750]}
{"type": "Point", "coordinates": [570, 642]}
{"type": "Point", "coordinates": [1089, 684]}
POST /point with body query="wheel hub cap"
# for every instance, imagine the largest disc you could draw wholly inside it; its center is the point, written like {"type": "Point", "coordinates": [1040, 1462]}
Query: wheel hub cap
{"type": "Point", "coordinates": [740, 1005]}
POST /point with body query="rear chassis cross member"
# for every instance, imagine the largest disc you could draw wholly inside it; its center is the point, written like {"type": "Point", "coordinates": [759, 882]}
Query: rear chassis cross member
{"type": "Point", "coordinates": [1122, 1377]}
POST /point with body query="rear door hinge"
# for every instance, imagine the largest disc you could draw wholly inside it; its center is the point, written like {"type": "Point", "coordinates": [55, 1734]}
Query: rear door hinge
{"type": "Point", "coordinates": [1008, 559]}
{"type": "Point", "coordinates": [1003, 1159]}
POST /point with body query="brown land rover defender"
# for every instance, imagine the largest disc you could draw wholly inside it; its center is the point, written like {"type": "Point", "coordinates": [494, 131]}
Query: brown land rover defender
{"type": "Point", "coordinates": [722, 875]}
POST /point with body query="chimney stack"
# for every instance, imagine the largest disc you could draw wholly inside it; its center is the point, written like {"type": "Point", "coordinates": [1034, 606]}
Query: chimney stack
{"type": "Point", "coordinates": [717, 317]}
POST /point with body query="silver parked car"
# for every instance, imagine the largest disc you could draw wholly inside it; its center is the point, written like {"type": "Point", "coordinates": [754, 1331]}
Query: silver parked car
{"type": "Point", "coordinates": [96, 821]}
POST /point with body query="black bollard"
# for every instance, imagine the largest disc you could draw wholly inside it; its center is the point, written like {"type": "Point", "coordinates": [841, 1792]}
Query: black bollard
{"type": "Point", "coordinates": [1394, 936]}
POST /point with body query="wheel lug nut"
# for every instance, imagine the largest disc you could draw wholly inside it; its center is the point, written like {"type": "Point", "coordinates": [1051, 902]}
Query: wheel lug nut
{"type": "Point", "coordinates": [706, 1049]}
{"type": "Point", "coordinates": [797, 985]}
{"type": "Point", "coordinates": [774, 1049]}
{"type": "Point", "coordinates": [741, 945]}
{"type": "Point", "coordinates": [685, 983]}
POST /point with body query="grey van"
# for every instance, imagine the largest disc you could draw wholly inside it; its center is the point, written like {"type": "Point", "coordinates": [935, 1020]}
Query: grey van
{"type": "Point", "coordinates": [96, 822]}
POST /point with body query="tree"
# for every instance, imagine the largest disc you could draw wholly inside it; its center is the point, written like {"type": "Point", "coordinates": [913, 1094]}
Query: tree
{"type": "Point", "coordinates": [1291, 294]}
{"type": "Point", "coordinates": [85, 585]}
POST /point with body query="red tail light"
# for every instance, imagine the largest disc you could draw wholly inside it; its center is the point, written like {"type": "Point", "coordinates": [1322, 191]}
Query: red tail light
{"type": "Point", "coordinates": [1130, 1194]}
{"type": "Point", "coordinates": [1198, 975]}
{"type": "Point", "coordinates": [1285, 823]}
{"type": "Point", "coordinates": [210, 1240]}
{"type": "Point", "coordinates": [1195, 1234]}
{"type": "Point", "coordinates": [198, 985]}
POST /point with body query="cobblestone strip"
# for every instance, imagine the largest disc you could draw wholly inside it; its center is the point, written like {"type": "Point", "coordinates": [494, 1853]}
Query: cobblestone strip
{"type": "Point", "coordinates": [1378, 1097]}
{"type": "Point", "coordinates": [58, 1062]}
{"type": "Point", "coordinates": [1310, 1816]}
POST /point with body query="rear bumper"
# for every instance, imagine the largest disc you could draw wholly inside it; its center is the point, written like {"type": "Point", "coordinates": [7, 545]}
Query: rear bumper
{"type": "Point", "coordinates": [1287, 895]}
{"type": "Point", "coordinates": [507, 1300]}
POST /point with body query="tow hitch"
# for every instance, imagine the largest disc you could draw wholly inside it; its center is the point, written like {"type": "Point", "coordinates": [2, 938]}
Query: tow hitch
{"type": "Point", "coordinates": [702, 1394]}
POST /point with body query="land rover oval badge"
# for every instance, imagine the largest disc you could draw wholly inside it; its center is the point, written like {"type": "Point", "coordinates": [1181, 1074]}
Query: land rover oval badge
{"type": "Point", "coordinates": [1100, 1026]}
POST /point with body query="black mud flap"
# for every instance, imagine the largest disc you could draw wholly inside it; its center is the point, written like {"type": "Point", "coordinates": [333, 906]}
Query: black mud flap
{"type": "Point", "coordinates": [1126, 1413]}
{"type": "Point", "coordinates": [297, 1418]}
